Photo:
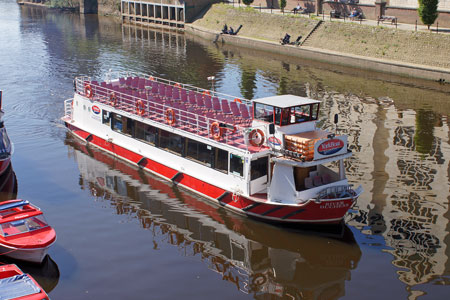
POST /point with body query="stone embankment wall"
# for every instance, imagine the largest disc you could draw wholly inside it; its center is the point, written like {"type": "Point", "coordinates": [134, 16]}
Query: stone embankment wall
{"type": "Point", "coordinates": [416, 54]}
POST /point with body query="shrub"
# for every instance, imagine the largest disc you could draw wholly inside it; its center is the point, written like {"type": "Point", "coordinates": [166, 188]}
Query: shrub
{"type": "Point", "coordinates": [247, 2]}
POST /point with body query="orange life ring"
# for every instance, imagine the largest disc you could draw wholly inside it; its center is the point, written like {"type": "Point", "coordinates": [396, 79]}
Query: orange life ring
{"type": "Point", "coordinates": [140, 110]}
{"type": "Point", "coordinates": [170, 116]}
{"type": "Point", "coordinates": [206, 93]}
{"type": "Point", "coordinates": [112, 99]}
{"type": "Point", "coordinates": [254, 135]}
{"type": "Point", "coordinates": [216, 131]}
{"type": "Point", "coordinates": [88, 91]}
{"type": "Point", "coordinates": [237, 100]}
{"type": "Point", "coordinates": [151, 78]}
{"type": "Point", "coordinates": [177, 85]}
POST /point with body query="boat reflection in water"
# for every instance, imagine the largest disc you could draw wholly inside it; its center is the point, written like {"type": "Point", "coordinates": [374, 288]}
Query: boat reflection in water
{"type": "Point", "coordinates": [47, 273]}
{"type": "Point", "coordinates": [256, 258]}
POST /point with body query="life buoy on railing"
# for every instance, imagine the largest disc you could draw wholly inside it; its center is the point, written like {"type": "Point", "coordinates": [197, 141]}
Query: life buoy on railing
{"type": "Point", "coordinates": [237, 100]}
{"type": "Point", "coordinates": [170, 116]}
{"type": "Point", "coordinates": [151, 78]}
{"type": "Point", "coordinates": [206, 93]}
{"type": "Point", "coordinates": [256, 137]}
{"type": "Point", "coordinates": [259, 279]}
{"type": "Point", "coordinates": [216, 131]}
{"type": "Point", "coordinates": [112, 99]}
{"type": "Point", "coordinates": [177, 85]}
{"type": "Point", "coordinates": [140, 110]}
{"type": "Point", "coordinates": [88, 91]}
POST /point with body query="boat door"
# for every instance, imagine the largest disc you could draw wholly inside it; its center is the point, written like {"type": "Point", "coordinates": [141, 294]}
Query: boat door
{"type": "Point", "coordinates": [258, 175]}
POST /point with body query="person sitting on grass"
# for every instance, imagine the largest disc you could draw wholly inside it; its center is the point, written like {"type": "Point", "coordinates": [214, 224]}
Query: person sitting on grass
{"type": "Point", "coordinates": [285, 40]}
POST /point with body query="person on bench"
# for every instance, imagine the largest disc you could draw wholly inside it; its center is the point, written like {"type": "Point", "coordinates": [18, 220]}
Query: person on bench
{"type": "Point", "coordinates": [296, 9]}
{"type": "Point", "coordinates": [354, 14]}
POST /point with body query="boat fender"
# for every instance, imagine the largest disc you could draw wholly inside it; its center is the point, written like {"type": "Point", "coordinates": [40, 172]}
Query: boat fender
{"type": "Point", "coordinates": [140, 107]}
{"type": "Point", "coordinates": [256, 137]}
{"type": "Point", "coordinates": [216, 131]}
{"type": "Point", "coordinates": [170, 116]}
{"type": "Point", "coordinates": [88, 91]}
{"type": "Point", "coordinates": [112, 99]}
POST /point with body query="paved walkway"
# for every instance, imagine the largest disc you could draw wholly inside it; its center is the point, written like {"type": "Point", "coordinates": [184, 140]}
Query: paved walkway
{"type": "Point", "coordinates": [402, 26]}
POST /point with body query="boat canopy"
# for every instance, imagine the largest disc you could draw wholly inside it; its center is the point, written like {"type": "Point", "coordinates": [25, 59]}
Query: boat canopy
{"type": "Point", "coordinates": [285, 110]}
{"type": "Point", "coordinates": [17, 286]}
{"type": "Point", "coordinates": [23, 225]}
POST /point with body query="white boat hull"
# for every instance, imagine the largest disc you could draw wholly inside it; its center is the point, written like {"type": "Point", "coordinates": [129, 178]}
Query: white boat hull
{"type": "Point", "coordinates": [34, 255]}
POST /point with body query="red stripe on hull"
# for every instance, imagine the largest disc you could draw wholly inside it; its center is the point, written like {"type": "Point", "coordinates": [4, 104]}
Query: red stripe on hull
{"type": "Point", "coordinates": [310, 212]}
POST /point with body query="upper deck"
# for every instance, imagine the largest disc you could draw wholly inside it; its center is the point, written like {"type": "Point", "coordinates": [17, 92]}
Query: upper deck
{"type": "Point", "coordinates": [206, 113]}
{"type": "Point", "coordinates": [284, 125]}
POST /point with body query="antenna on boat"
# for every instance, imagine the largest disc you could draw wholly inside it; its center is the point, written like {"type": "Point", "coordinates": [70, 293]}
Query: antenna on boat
{"type": "Point", "coordinates": [212, 78]}
{"type": "Point", "coordinates": [336, 119]}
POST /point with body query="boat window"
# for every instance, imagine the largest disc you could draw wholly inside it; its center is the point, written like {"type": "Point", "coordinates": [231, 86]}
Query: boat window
{"type": "Point", "coordinates": [236, 165]}
{"type": "Point", "coordinates": [117, 123]}
{"type": "Point", "coordinates": [171, 141]}
{"type": "Point", "coordinates": [106, 117]}
{"type": "Point", "coordinates": [200, 152]}
{"type": "Point", "coordinates": [21, 226]}
{"type": "Point", "coordinates": [146, 133]}
{"type": "Point", "coordinates": [5, 144]}
{"type": "Point", "coordinates": [221, 160]}
{"type": "Point", "coordinates": [314, 111]}
{"type": "Point", "coordinates": [263, 112]}
{"type": "Point", "coordinates": [259, 168]}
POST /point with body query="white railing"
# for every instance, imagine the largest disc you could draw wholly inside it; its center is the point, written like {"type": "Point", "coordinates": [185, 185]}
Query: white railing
{"type": "Point", "coordinates": [185, 118]}
{"type": "Point", "coordinates": [336, 192]}
{"type": "Point", "coordinates": [68, 109]}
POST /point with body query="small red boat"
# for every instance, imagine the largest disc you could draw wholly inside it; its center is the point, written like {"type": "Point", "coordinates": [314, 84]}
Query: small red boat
{"type": "Point", "coordinates": [14, 284]}
{"type": "Point", "coordinates": [24, 232]}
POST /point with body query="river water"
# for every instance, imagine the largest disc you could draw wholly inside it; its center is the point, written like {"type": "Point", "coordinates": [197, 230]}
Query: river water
{"type": "Point", "coordinates": [123, 234]}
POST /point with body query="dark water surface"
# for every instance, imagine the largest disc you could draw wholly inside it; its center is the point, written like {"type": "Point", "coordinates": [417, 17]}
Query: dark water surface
{"type": "Point", "coordinates": [123, 234]}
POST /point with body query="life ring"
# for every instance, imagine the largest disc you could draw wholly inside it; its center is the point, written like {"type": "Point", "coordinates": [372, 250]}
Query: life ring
{"type": "Point", "coordinates": [151, 78]}
{"type": "Point", "coordinates": [206, 93]}
{"type": "Point", "coordinates": [170, 116]}
{"type": "Point", "coordinates": [88, 91]}
{"type": "Point", "coordinates": [140, 110]}
{"type": "Point", "coordinates": [216, 131]}
{"type": "Point", "coordinates": [177, 85]}
{"type": "Point", "coordinates": [256, 137]}
{"type": "Point", "coordinates": [112, 99]}
{"type": "Point", "coordinates": [259, 279]}
{"type": "Point", "coordinates": [237, 100]}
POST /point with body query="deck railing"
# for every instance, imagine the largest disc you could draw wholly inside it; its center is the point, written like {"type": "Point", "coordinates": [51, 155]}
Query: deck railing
{"type": "Point", "coordinates": [150, 104]}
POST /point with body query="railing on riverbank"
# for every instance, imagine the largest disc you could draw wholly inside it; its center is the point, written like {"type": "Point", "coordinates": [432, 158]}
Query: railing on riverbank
{"type": "Point", "coordinates": [170, 14]}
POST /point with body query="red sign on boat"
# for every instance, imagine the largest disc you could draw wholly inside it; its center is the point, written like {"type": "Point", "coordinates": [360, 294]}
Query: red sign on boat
{"type": "Point", "coordinates": [95, 109]}
{"type": "Point", "coordinates": [330, 147]}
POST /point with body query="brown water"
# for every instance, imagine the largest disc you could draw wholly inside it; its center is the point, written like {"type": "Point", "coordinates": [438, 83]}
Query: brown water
{"type": "Point", "coordinates": [123, 234]}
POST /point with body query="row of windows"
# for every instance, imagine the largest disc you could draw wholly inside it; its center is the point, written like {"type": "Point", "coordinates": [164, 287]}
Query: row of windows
{"type": "Point", "coordinates": [202, 153]}
{"type": "Point", "coordinates": [286, 116]}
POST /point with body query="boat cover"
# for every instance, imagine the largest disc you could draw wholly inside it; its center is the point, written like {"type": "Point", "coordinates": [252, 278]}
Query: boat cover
{"type": "Point", "coordinates": [14, 204]}
{"type": "Point", "coordinates": [17, 286]}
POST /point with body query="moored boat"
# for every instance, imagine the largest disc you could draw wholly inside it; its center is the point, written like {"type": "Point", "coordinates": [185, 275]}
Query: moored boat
{"type": "Point", "coordinates": [6, 148]}
{"type": "Point", "coordinates": [14, 284]}
{"type": "Point", "coordinates": [24, 232]}
{"type": "Point", "coordinates": [263, 158]}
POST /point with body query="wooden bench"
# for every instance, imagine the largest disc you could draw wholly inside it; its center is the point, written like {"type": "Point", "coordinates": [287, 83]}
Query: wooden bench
{"type": "Point", "coordinates": [392, 19]}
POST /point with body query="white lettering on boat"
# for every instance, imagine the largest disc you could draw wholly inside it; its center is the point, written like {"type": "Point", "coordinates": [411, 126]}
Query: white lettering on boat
{"type": "Point", "coordinates": [334, 205]}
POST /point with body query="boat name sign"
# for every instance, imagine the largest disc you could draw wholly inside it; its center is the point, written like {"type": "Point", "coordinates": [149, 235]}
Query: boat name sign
{"type": "Point", "coordinates": [327, 147]}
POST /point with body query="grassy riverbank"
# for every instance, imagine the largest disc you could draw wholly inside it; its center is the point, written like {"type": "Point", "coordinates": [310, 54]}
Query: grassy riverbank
{"type": "Point", "coordinates": [352, 38]}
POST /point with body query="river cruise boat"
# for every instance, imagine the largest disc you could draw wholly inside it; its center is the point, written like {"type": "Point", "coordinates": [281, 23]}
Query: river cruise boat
{"type": "Point", "coordinates": [24, 232]}
{"type": "Point", "coordinates": [5, 143]}
{"type": "Point", "coordinates": [14, 284]}
{"type": "Point", "coordinates": [263, 158]}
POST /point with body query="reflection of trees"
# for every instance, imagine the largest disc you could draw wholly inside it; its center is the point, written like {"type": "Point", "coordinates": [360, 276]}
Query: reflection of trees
{"type": "Point", "coordinates": [248, 82]}
{"type": "Point", "coordinates": [425, 122]}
